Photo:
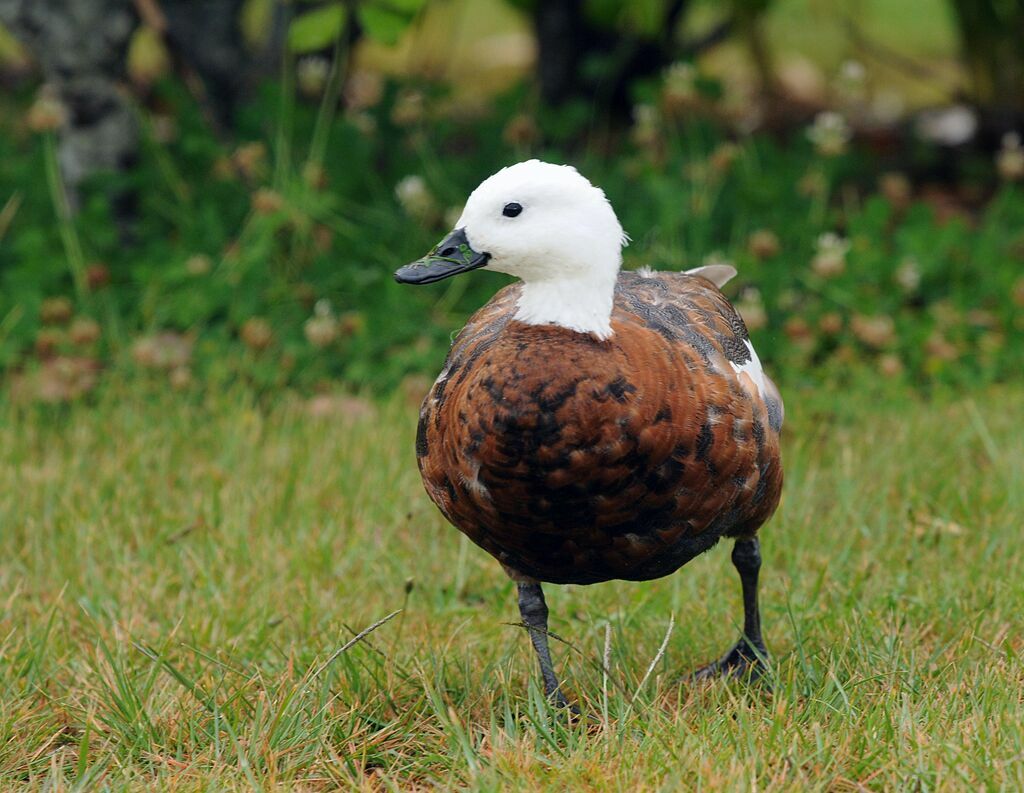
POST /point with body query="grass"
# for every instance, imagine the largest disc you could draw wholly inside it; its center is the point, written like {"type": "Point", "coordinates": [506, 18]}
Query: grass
{"type": "Point", "coordinates": [182, 577]}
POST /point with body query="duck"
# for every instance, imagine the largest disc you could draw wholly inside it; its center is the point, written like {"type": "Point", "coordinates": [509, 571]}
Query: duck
{"type": "Point", "coordinates": [590, 423]}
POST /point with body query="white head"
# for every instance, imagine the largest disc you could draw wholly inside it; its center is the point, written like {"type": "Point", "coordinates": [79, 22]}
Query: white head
{"type": "Point", "coordinates": [548, 226]}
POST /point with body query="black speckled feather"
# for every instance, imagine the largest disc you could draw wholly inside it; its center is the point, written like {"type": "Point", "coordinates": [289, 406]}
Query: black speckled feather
{"type": "Point", "coordinates": [573, 460]}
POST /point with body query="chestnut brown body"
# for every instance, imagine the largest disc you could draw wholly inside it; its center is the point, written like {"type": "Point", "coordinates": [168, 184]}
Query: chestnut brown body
{"type": "Point", "coordinates": [574, 460]}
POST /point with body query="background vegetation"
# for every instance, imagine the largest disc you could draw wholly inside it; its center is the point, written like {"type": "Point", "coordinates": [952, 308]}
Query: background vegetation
{"type": "Point", "coordinates": [209, 387]}
{"type": "Point", "coordinates": [263, 251]}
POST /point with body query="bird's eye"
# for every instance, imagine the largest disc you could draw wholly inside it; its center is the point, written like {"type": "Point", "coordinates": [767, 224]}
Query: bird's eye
{"type": "Point", "coordinates": [512, 210]}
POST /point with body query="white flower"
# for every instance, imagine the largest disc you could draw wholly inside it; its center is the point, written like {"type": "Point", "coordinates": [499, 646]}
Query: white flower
{"type": "Point", "coordinates": [908, 275]}
{"type": "Point", "coordinates": [1010, 159]}
{"type": "Point", "coordinates": [851, 82]}
{"type": "Point", "coordinates": [645, 115]}
{"type": "Point", "coordinates": [852, 71]}
{"type": "Point", "coordinates": [645, 125]}
{"type": "Point", "coordinates": [829, 133]}
{"type": "Point", "coordinates": [415, 197]}
{"type": "Point", "coordinates": [751, 308]}
{"type": "Point", "coordinates": [311, 75]}
{"type": "Point", "coordinates": [680, 86]}
{"type": "Point", "coordinates": [947, 126]}
{"type": "Point", "coordinates": [830, 257]}
{"type": "Point", "coordinates": [321, 329]}
{"type": "Point", "coordinates": [322, 308]}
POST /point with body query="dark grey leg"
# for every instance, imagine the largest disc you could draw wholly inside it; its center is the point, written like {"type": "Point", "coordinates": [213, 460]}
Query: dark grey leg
{"type": "Point", "coordinates": [748, 656]}
{"type": "Point", "coordinates": [534, 612]}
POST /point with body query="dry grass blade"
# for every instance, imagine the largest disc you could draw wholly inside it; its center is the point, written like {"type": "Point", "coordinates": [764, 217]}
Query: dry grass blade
{"type": "Point", "coordinates": [354, 641]}
{"type": "Point", "coordinates": [591, 661]}
{"type": "Point", "coordinates": [660, 654]}
{"type": "Point", "coordinates": [606, 664]}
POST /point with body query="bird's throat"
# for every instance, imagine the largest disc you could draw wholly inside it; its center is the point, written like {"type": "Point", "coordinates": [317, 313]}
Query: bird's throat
{"type": "Point", "coordinates": [580, 304]}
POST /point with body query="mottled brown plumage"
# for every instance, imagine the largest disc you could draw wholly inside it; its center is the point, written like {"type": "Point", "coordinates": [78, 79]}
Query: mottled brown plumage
{"type": "Point", "coordinates": [574, 460]}
{"type": "Point", "coordinates": [591, 424]}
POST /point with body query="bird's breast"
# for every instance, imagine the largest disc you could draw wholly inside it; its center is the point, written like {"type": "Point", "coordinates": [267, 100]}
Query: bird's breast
{"type": "Point", "coordinates": [572, 459]}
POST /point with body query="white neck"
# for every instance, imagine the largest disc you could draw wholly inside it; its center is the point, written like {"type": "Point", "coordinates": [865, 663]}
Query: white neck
{"type": "Point", "coordinates": [583, 304]}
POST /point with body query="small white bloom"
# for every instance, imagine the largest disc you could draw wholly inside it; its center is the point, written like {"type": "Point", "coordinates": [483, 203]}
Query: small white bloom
{"type": "Point", "coordinates": [751, 308]}
{"type": "Point", "coordinates": [1010, 159]}
{"type": "Point", "coordinates": [830, 257]}
{"type": "Point", "coordinates": [908, 275]}
{"type": "Point", "coordinates": [322, 308]}
{"type": "Point", "coordinates": [852, 71]}
{"type": "Point", "coordinates": [645, 115]}
{"type": "Point", "coordinates": [851, 82]}
{"type": "Point", "coordinates": [947, 126]}
{"type": "Point", "coordinates": [311, 75]}
{"type": "Point", "coordinates": [415, 197]}
{"type": "Point", "coordinates": [830, 242]}
{"type": "Point", "coordinates": [646, 121]}
{"type": "Point", "coordinates": [829, 133]}
{"type": "Point", "coordinates": [680, 84]}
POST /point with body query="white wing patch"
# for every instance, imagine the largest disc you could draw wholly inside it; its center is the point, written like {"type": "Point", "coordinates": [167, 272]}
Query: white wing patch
{"type": "Point", "coordinates": [753, 369]}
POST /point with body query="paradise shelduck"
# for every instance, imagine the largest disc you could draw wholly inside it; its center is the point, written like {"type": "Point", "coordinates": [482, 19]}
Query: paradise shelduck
{"type": "Point", "coordinates": [591, 424]}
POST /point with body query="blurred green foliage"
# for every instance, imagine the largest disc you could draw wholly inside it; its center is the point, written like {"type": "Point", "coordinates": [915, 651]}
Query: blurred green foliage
{"type": "Point", "coordinates": [266, 254]}
{"type": "Point", "coordinates": [262, 265]}
{"type": "Point", "coordinates": [317, 28]}
{"type": "Point", "coordinates": [313, 30]}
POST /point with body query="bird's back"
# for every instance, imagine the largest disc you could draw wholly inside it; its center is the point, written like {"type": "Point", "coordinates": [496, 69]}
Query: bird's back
{"type": "Point", "coordinates": [573, 460]}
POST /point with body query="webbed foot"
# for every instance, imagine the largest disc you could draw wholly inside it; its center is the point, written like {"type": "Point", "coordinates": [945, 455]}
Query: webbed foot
{"type": "Point", "coordinates": [743, 660]}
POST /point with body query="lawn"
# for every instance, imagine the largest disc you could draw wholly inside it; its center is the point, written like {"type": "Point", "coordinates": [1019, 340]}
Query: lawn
{"type": "Point", "coordinates": [183, 574]}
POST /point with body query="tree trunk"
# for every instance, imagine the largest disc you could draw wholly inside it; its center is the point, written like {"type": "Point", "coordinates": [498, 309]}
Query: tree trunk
{"type": "Point", "coordinates": [206, 35]}
{"type": "Point", "coordinates": [560, 42]}
{"type": "Point", "coordinates": [80, 46]}
{"type": "Point", "coordinates": [992, 40]}
{"type": "Point", "coordinates": [567, 40]}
